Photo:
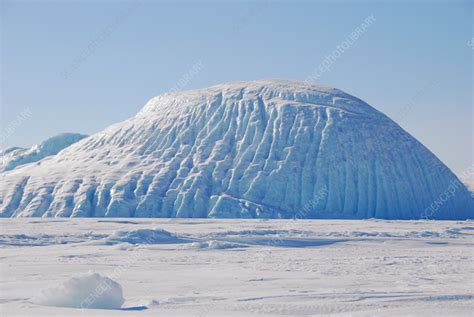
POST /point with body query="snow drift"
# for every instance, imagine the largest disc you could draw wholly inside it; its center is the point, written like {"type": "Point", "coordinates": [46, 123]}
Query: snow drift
{"type": "Point", "coordinates": [92, 291]}
{"type": "Point", "coordinates": [142, 236]}
{"type": "Point", "coordinates": [214, 245]}
{"type": "Point", "coordinates": [262, 149]}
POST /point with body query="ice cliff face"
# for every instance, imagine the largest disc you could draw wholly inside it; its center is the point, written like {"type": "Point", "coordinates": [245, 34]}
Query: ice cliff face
{"type": "Point", "coordinates": [262, 149]}
{"type": "Point", "coordinates": [13, 157]}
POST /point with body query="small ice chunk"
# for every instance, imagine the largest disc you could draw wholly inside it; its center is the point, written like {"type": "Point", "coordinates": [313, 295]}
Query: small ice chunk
{"type": "Point", "coordinates": [90, 290]}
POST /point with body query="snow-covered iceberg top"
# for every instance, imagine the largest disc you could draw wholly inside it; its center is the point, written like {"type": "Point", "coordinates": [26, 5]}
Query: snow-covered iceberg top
{"type": "Point", "coordinates": [279, 91]}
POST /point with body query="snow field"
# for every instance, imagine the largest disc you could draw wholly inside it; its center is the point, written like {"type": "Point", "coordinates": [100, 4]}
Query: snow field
{"type": "Point", "coordinates": [205, 267]}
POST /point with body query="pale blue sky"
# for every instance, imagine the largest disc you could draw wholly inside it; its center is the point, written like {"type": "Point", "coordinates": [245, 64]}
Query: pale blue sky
{"type": "Point", "coordinates": [118, 55]}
